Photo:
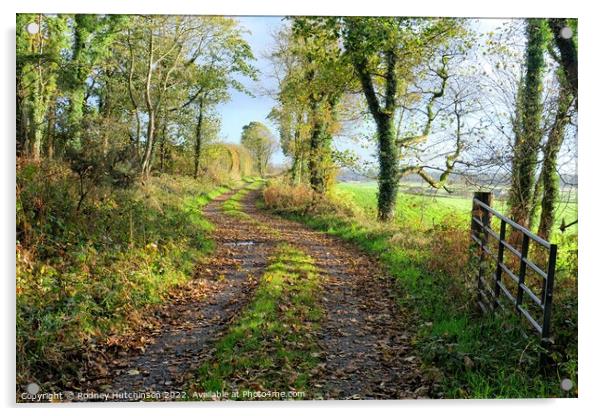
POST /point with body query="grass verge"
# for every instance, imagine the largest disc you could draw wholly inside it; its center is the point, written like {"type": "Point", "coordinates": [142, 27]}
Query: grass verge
{"type": "Point", "coordinates": [270, 348]}
{"type": "Point", "coordinates": [468, 355]}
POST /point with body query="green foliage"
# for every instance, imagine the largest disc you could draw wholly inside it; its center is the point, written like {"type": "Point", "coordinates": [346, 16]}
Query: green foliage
{"type": "Point", "coordinates": [227, 161]}
{"type": "Point", "coordinates": [260, 142]}
{"type": "Point", "coordinates": [271, 346]}
{"type": "Point", "coordinates": [316, 76]}
{"type": "Point", "coordinates": [39, 62]}
{"type": "Point", "coordinates": [134, 91]}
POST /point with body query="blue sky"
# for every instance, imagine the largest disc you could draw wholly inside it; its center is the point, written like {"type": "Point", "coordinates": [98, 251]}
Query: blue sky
{"type": "Point", "coordinates": [242, 109]}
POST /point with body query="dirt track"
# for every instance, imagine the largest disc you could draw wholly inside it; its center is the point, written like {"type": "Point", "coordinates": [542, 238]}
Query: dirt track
{"type": "Point", "coordinates": [366, 350]}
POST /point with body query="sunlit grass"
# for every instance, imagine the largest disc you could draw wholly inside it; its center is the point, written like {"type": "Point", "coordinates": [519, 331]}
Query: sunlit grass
{"type": "Point", "coordinates": [270, 346]}
{"type": "Point", "coordinates": [424, 210]}
{"type": "Point", "coordinates": [233, 205]}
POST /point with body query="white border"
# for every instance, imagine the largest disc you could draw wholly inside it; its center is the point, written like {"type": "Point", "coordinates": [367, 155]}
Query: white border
{"type": "Point", "coordinates": [590, 140]}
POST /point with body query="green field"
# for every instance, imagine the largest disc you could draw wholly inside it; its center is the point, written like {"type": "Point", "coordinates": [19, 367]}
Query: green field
{"type": "Point", "coordinates": [427, 210]}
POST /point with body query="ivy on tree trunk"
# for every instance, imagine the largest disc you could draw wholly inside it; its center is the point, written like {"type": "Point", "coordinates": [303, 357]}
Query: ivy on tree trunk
{"type": "Point", "coordinates": [529, 132]}
{"type": "Point", "coordinates": [549, 175]}
{"type": "Point", "coordinates": [388, 157]}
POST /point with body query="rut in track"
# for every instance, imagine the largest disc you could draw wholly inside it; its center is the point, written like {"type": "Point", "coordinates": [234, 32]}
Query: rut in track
{"type": "Point", "coordinates": [196, 314]}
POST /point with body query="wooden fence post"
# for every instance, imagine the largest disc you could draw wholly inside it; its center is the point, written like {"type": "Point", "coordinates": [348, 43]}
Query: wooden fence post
{"type": "Point", "coordinates": [481, 214]}
{"type": "Point", "coordinates": [476, 230]}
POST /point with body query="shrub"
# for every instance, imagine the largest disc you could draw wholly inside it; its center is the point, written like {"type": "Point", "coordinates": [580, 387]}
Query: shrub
{"type": "Point", "coordinates": [283, 197]}
{"type": "Point", "coordinates": [301, 199]}
{"type": "Point", "coordinates": [448, 248]}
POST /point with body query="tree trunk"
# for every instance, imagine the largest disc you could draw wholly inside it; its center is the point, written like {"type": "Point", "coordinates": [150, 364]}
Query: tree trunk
{"type": "Point", "coordinates": [158, 127]}
{"type": "Point", "coordinates": [150, 130]}
{"type": "Point", "coordinates": [388, 176]}
{"type": "Point", "coordinates": [106, 110]}
{"type": "Point", "coordinates": [131, 95]}
{"type": "Point", "coordinates": [527, 142]}
{"type": "Point", "coordinates": [21, 108]}
{"type": "Point", "coordinates": [536, 200]}
{"type": "Point", "coordinates": [568, 53]}
{"type": "Point", "coordinates": [37, 120]}
{"type": "Point", "coordinates": [198, 141]}
{"type": "Point", "coordinates": [150, 138]}
{"type": "Point", "coordinates": [37, 112]}
{"type": "Point", "coordinates": [295, 168]}
{"type": "Point", "coordinates": [388, 153]}
{"type": "Point", "coordinates": [316, 168]}
{"type": "Point", "coordinates": [162, 148]}
{"type": "Point", "coordinates": [50, 128]}
{"type": "Point", "coordinates": [77, 96]}
{"type": "Point", "coordinates": [548, 172]}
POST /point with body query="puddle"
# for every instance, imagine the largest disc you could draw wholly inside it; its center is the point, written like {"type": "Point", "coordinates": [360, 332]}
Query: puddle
{"type": "Point", "coordinates": [240, 243]}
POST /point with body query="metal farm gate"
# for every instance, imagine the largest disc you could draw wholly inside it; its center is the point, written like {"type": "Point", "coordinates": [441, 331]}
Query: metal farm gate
{"type": "Point", "coordinates": [513, 262]}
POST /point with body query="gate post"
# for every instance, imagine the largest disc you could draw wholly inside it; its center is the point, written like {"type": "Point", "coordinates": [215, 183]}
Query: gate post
{"type": "Point", "coordinates": [481, 214]}
{"type": "Point", "coordinates": [476, 230]}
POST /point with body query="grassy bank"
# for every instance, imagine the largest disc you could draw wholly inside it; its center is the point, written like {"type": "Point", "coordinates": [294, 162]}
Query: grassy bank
{"type": "Point", "coordinates": [270, 347]}
{"type": "Point", "coordinates": [471, 356]}
{"type": "Point", "coordinates": [85, 273]}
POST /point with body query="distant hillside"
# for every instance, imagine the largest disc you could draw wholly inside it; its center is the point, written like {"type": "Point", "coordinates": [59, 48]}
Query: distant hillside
{"type": "Point", "coordinates": [483, 179]}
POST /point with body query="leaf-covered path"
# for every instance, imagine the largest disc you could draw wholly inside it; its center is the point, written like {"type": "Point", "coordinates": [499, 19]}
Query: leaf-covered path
{"type": "Point", "coordinates": [365, 345]}
{"type": "Point", "coordinates": [364, 342]}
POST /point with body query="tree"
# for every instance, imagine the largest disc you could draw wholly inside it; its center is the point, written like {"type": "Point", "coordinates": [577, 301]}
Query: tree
{"type": "Point", "coordinates": [225, 56]}
{"type": "Point", "coordinates": [313, 75]}
{"type": "Point", "coordinates": [323, 75]}
{"type": "Point", "coordinates": [261, 144]}
{"type": "Point", "coordinates": [92, 37]}
{"type": "Point", "coordinates": [177, 62]}
{"type": "Point", "coordinates": [116, 91]}
{"type": "Point", "coordinates": [567, 46]}
{"type": "Point", "coordinates": [529, 130]}
{"type": "Point", "coordinates": [39, 59]}
{"type": "Point", "coordinates": [385, 53]}
{"type": "Point", "coordinates": [566, 78]}
{"type": "Point", "coordinates": [549, 175]}
{"type": "Point", "coordinates": [290, 114]}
